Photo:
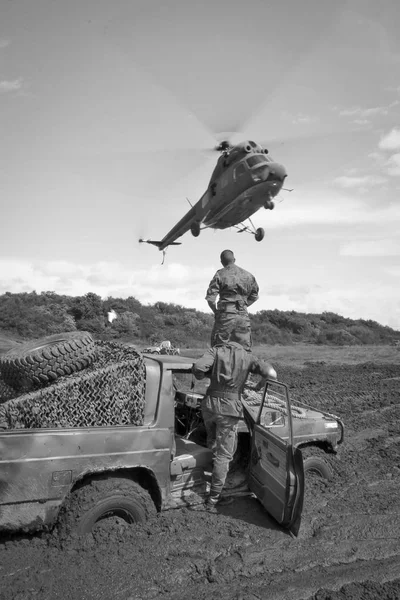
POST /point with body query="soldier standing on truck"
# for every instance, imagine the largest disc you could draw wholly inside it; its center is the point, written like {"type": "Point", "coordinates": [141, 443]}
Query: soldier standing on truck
{"type": "Point", "coordinates": [237, 289]}
{"type": "Point", "coordinates": [227, 364]}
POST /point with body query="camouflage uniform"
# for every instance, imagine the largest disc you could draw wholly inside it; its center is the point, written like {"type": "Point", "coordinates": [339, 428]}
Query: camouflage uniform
{"type": "Point", "coordinates": [236, 289]}
{"type": "Point", "coordinates": [228, 366]}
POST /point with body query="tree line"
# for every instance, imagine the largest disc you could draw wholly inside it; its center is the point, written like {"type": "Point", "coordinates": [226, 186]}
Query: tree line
{"type": "Point", "coordinates": [32, 315]}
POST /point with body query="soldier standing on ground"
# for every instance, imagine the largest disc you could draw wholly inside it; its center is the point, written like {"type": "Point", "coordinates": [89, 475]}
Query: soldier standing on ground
{"type": "Point", "coordinates": [228, 365]}
{"type": "Point", "coordinates": [237, 289]}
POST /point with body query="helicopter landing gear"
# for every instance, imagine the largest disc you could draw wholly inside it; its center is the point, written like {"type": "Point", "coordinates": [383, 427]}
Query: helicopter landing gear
{"type": "Point", "coordinates": [195, 229]}
{"type": "Point", "coordinates": [269, 205]}
{"type": "Point", "coordinates": [259, 234]}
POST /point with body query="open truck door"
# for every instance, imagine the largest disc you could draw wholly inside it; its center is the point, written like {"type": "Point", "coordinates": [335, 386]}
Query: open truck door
{"type": "Point", "coordinates": [276, 474]}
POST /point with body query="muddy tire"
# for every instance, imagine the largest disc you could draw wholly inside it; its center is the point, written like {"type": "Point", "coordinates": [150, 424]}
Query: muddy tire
{"type": "Point", "coordinates": [315, 463]}
{"type": "Point", "coordinates": [39, 362]}
{"type": "Point", "coordinates": [101, 498]}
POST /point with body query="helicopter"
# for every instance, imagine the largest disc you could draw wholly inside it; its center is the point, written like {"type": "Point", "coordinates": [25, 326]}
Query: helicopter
{"type": "Point", "coordinates": [244, 180]}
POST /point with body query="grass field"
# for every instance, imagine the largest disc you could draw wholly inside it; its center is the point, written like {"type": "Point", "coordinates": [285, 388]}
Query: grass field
{"type": "Point", "coordinates": [298, 354]}
{"type": "Point", "coordinates": [295, 355]}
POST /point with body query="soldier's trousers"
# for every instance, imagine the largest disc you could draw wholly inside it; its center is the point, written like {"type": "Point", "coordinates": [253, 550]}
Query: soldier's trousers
{"type": "Point", "coordinates": [224, 324]}
{"type": "Point", "coordinates": [222, 432]}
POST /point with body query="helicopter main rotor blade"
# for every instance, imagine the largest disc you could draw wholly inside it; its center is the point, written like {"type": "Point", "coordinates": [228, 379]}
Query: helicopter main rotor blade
{"type": "Point", "coordinates": [137, 173]}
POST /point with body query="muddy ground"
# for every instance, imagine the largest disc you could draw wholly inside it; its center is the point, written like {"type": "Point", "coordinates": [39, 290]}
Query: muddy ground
{"type": "Point", "coordinates": [348, 547]}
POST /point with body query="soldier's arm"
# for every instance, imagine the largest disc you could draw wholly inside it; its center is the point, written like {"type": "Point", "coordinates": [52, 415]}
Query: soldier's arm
{"type": "Point", "coordinates": [253, 296]}
{"type": "Point", "coordinates": [203, 366]}
{"type": "Point", "coordinates": [266, 370]}
{"type": "Point", "coordinates": [212, 292]}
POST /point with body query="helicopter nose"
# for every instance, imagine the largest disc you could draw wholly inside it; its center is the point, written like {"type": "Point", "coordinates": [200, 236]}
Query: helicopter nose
{"type": "Point", "coordinates": [277, 172]}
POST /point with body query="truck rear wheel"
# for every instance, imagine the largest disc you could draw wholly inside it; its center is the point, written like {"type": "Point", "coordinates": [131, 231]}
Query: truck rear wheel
{"type": "Point", "coordinates": [315, 463]}
{"type": "Point", "coordinates": [42, 361]}
{"type": "Point", "coordinates": [104, 498]}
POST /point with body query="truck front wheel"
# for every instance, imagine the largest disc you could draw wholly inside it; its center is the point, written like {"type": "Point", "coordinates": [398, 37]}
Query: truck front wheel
{"type": "Point", "coordinates": [315, 463]}
{"type": "Point", "coordinates": [104, 498]}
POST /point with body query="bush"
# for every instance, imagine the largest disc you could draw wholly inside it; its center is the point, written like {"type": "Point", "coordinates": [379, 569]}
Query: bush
{"type": "Point", "coordinates": [30, 315]}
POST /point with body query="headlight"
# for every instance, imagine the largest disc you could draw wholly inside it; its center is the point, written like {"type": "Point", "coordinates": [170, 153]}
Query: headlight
{"type": "Point", "coordinates": [330, 425]}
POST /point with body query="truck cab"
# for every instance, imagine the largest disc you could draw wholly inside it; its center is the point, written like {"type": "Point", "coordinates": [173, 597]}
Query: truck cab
{"type": "Point", "coordinates": [318, 434]}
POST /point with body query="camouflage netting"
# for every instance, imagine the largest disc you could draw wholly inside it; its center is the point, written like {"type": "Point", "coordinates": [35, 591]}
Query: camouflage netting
{"type": "Point", "coordinates": [6, 391]}
{"type": "Point", "coordinates": [109, 392]}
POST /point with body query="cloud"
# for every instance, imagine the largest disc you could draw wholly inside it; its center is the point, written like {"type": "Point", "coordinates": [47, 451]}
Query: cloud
{"type": "Point", "coordinates": [393, 165]}
{"type": "Point", "coordinates": [172, 282]}
{"type": "Point", "coordinates": [363, 115]}
{"type": "Point", "coordinates": [390, 141]}
{"type": "Point", "coordinates": [4, 43]}
{"type": "Point", "coordinates": [58, 268]}
{"type": "Point", "coordinates": [327, 207]}
{"type": "Point", "coordinates": [355, 182]}
{"type": "Point", "coordinates": [393, 270]}
{"type": "Point", "coordinates": [379, 303]}
{"type": "Point", "coordinates": [381, 247]}
{"type": "Point", "coordinates": [299, 118]}
{"type": "Point", "coordinates": [14, 85]}
{"type": "Point", "coordinates": [378, 157]}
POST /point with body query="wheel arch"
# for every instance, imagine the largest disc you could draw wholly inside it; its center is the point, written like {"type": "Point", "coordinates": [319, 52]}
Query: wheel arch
{"type": "Point", "coordinates": [322, 445]}
{"type": "Point", "coordinates": [142, 475]}
{"type": "Point", "coordinates": [319, 457]}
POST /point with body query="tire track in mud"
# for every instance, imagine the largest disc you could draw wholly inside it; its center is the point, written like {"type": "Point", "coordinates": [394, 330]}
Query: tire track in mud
{"type": "Point", "coordinates": [310, 584]}
{"type": "Point", "coordinates": [355, 522]}
{"type": "Point", "coordinates": [368, 486]}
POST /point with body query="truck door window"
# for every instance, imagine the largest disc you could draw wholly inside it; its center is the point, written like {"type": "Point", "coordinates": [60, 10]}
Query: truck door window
{"type": "Point", "coordinates": [274, 409]}
{"type": "Point", "coordinates": [273, 412]}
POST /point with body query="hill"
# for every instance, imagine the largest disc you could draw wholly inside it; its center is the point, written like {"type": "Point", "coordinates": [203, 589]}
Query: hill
{"type": "Point", "coordinates": [32, 315]}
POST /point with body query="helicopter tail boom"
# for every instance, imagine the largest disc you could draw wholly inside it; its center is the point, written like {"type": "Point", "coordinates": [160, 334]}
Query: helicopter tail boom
{"type": "Point", "coordinates": [159, 244]}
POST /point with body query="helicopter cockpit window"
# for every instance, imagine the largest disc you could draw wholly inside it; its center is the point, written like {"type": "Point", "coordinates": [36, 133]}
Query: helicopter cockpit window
{"type": "Point", "coordinates": [224, 181]}
{"type": "Point", "coordinates": [257, 159]}
{"type": "Point", "coordinates": [239, 171]}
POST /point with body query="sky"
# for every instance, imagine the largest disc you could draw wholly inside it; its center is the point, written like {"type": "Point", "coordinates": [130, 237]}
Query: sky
{"type": "Point", "coordinates": [108, 114]}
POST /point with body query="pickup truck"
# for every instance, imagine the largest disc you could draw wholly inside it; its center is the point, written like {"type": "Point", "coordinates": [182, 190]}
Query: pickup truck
{"type": "Point", "coordinates": [75, 477]}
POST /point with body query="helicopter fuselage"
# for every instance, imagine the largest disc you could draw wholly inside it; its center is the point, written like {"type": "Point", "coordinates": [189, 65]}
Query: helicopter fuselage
{"type": "Point", "coordinates": [240, 188]}
{"type": "Point", "coordinates": [244, 180]}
